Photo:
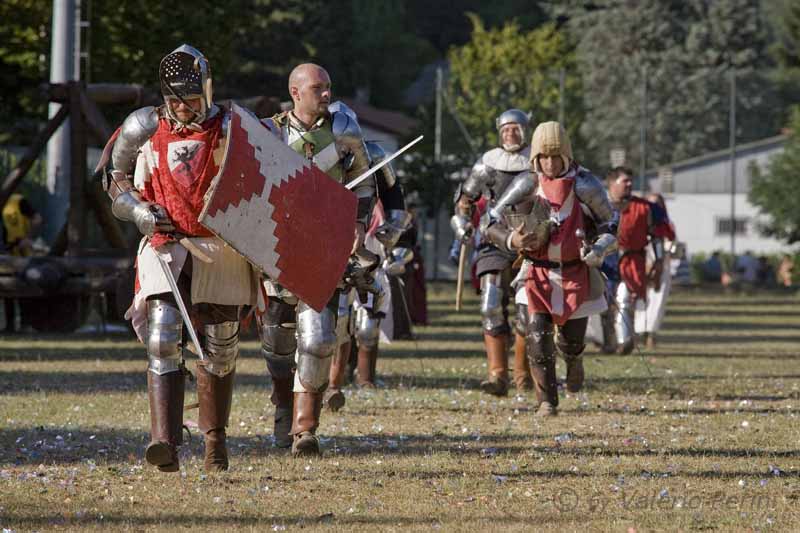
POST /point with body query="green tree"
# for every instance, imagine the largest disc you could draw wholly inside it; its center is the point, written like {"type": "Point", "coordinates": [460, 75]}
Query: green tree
{"type": "Point", "coordinates": [784, 16]}
{"type": "Point", "coordinates": [506, 67]}
{"type": "Point", "coordinates": [774, 189]}
{"type": "Point", "coordinates": [24, 45]}
{"type": "Point", "coordinates": [684, 51]}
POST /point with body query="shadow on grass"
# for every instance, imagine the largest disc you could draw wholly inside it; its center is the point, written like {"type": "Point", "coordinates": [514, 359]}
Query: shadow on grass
{"type": "Point", "coordinates": [109, 447]}
{"type": "Point", "coordinates": [238, 517]}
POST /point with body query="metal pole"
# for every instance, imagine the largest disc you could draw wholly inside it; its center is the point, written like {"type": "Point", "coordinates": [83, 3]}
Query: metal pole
{"type": "Point", "coordinates": [561, 76]}
{"type": "Point", "coordinates": [643, 132]}
{"type": "Point", "coordinates": [437, 141]}
{"type": "Point", "coordinates": [732, 133]}
{"type": "Point", "coordinates": [437, 156]}
{"type": "Point", "coordinates": [62, 70]}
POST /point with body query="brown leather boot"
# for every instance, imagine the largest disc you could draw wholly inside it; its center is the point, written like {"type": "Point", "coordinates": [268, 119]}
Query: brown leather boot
{"type": "Point", "coordinates": [282, 398]}
{"type": "Point", "coordinates": [544, 379]}
{"type": "Point", "coordinates": [334, 397]}
{"type": "Point", "coordinates": [497, 358]}
{"type": "Point", "coordinates": [522, 369]}
{"type": "Point", "coordinates": [365, 373]}
{"type": "Point", "coordinates": [214, 394]}
{"type": "Point", "coordinates": [166, 419]}
{"type": "Point", "coordinates": [307, 407]}
{"type": "Point", "coordinates": [575, 374]}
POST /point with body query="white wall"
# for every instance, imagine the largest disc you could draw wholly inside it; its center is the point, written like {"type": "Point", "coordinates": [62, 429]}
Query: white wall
{"type": "Point", "coordinates": [695, 218]}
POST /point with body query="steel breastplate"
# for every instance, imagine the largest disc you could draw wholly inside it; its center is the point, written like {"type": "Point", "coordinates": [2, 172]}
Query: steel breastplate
{"type": "Point", "coordinates": [320, 143]}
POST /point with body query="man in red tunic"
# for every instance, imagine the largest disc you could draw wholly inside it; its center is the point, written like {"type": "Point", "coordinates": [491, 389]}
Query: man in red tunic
{"type": "Point", "coordinates": [639, 220]}
{"type": "Point", "coordinates": [569, 230]}
{"type": "Point", "coordinates": [163, 161]}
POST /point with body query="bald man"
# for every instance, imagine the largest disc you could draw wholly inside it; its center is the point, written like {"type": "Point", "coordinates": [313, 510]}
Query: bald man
{"type": "Point", "coordinates": [297, 342]}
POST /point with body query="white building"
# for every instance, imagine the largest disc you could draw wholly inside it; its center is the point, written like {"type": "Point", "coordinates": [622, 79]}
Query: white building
{"type": "Point", "coordinates": [698, 196]}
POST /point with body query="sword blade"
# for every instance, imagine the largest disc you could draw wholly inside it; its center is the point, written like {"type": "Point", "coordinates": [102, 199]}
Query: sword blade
{"type": "Point", "coordinates": [181, 306]}
{"type": "Point", "coordinates": [383, 163]}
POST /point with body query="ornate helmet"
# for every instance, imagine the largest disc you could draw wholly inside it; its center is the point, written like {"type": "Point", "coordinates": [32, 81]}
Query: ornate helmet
{"type": "Point", "coordinates": [520, 119]}
{"type": "Point", "coordinates": [550, 138]}
{"type": "Point", "coordinates": [185, 73]}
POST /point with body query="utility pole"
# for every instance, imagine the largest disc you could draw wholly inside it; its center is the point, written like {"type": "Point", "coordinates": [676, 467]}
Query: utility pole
{"type": "Point", "coordinates": [732, 133]}
{"type": "Point", "coordinates": [643, 132]}
{"type": "Point", "coordinates": [437, 157]}
{"type": "Point", "coordinates": [62, 70]}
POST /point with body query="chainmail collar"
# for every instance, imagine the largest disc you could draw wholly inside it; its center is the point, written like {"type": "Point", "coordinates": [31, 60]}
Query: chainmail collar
{"type": "Point", "coordinates": [505, 161]}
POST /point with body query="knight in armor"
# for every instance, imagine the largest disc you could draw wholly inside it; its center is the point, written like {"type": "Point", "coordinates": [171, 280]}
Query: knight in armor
{"type": "Point", "coordinates": [488, 180]}
{"type": "Point", "coordinates": [390, 220]}
{"type": "Point", "coordinates": [162, 162]}
{"type": "Point", "coordinates": [559, 218]}
{"type": "Point", "coordinates": [298, 342]}
{"type": "Point", "coordinates": [639, 227]}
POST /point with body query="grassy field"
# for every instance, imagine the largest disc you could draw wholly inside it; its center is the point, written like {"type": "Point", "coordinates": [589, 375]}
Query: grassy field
{"type": "Point", "coordinates": [700, 434]}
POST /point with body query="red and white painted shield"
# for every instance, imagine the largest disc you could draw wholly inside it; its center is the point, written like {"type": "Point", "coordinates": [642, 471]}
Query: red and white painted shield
{"type": "Point", "coordinates": [283, 214]}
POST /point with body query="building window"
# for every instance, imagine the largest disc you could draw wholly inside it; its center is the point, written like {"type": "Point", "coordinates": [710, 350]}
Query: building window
{"type": "Point", "coordinates": [724, 226]}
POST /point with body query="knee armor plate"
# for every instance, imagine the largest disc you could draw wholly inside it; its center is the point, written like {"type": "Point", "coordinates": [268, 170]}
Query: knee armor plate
{"type": "Point", "coordinates": [316, 340]}
{"type": "Point", "coordinates": [367, 329]}
{"type": "Point", "coordinates": [221, 348]}
{"type": "Point", "coordinates": [164, 337]}
{"type": "Point", "coordinates": [492, 311]}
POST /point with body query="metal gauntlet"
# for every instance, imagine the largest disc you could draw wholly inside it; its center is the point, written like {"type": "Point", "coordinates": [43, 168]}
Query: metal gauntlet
{"type": "Point", "coordinates": [602, 246]}
{"type": "Point", "coordinates": [147, 216]}
{"type": "Point", "coordinates": [396, 223]}
{"type": "Point", "coordinates": [462, 227]}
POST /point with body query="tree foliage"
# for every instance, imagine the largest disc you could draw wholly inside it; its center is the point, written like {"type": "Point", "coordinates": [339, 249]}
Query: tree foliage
{"type": "Point", "coordinates": [774, 189]}
{"type": "Point", "coordinates": [507, 67]}
{"type": "Point", "coordinates": [24, 45]}
{"type": "Point", "coordinates": [685, 51]}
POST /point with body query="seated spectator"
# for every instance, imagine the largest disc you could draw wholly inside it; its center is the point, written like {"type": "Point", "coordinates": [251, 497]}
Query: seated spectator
{"type": "Point", "coordinates": [785, 271]}
{"type": "Point", "coordinates": [746, 267]}
{"type": "Point", "coordinates": [712, 269]}
{"type": "Point", "coordinates": [765, 275]}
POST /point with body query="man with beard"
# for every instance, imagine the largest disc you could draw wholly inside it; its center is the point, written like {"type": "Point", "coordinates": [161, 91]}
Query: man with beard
{"type": "Point", "coordinates": [298, 342]}
{"type": "Point", "coordinates": [162, 164]}
{"type": "Point", "coordinates": [559, 218]}
{"type": "Point", "coordinates": [489, 178]}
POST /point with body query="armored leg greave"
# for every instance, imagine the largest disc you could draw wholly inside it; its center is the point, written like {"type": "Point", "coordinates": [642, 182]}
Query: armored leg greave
{"type": "Point", "coordinates": [541, 354]}
{"type": "Point", "coordinates": [571, 345]}
{"type": "Point", "coordinates": [278, 346]}
{"type": "Point", "coordinates": [493, 304]}
{"type": "Point", "coordinates": [316, 340]}
{"type": "Point", "coordinates": [624, 320]}
{"type": "Point", "coordinates": [367, 334]}
{"type": "Point", "coordinates": [165, 383]}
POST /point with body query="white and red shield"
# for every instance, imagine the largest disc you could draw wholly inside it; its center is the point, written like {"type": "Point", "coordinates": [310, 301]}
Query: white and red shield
{"type": "Point", "coordinates": [283, 214]}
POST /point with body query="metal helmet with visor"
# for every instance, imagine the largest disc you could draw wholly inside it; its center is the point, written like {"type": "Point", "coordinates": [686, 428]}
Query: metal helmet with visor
{"type": "Point", "coordinates": [185, 73]}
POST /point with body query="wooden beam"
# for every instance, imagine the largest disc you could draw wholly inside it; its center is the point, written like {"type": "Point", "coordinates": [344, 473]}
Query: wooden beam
{"type": "Point", "coordinates": [15, 176]}
{"type": "Point", "coordinates": [76, 218]}
{"type": "Point", "coordinates": [99, 202]}
{"type": "Point", "coordinates": [94, 119]}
